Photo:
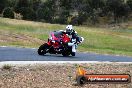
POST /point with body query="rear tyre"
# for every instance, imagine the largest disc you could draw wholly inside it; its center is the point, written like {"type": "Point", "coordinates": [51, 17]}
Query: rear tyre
{"type": "Point", "coordinates": [65, 54]}
{"type": "Point", "coordinates": [43, 49]}
{"type": "Point", "coordinates": [73, 53]}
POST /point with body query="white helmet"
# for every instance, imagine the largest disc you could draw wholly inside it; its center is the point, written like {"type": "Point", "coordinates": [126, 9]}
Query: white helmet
{"type": "Point", "coordinates": [69, 29]}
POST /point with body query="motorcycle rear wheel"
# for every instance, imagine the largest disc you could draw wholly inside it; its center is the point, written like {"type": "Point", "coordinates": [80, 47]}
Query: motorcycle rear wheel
{"type": "Point", "coordinates": [65, 54]}
{"type": "Point", "coordinates": [73, 53]}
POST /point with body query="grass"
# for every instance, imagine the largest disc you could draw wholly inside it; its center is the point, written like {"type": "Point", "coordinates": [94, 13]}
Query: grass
{"type": "Point", "coordinates": [99, 40]}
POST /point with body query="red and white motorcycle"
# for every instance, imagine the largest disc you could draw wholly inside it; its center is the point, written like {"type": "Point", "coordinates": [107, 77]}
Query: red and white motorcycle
{"type": "Point", "coordinates": [60, 43]}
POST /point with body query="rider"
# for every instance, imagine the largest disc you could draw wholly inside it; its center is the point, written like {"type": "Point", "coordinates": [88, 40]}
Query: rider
{"type": "Point", "coordinates": [73, 36]}
{"type": "Point", "coordinates": [70, 32]}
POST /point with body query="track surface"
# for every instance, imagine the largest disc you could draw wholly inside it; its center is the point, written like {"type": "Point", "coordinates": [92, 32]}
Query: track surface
{"type": "Point", "coordinates": [27, 54]}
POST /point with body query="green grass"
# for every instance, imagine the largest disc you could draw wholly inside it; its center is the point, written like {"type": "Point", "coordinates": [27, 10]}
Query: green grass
{"type": "Point", "coordinates": [99, 40]}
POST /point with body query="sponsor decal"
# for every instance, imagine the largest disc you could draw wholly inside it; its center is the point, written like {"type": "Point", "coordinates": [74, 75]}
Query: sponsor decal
{"type": "Point", "coordinates": [82, 77]}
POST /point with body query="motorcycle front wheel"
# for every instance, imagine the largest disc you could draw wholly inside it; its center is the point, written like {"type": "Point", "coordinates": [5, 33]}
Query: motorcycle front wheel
{"type": "Point", "coordinates": [43, 49]}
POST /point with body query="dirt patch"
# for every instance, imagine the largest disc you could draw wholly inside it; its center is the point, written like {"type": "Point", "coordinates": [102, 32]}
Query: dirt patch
{"type": "Point", "coordinates": [59, 76]}
{"type": "Point", "coordinates": [14, 38]}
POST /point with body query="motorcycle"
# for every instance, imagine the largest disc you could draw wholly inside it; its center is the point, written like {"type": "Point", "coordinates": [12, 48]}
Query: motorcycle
{"type": "Point", "coordinates": [60, 43]}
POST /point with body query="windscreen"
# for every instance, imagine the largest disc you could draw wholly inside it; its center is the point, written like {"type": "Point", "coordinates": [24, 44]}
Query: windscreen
{"type": "Point", "coordinates": [58, 34]}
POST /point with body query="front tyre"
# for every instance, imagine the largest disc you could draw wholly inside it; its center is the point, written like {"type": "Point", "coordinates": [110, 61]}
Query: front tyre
{"type": "Point", "coordinates": [43, 49]}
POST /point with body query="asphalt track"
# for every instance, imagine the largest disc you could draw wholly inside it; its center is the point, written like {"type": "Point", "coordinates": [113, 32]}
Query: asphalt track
{"type": "Point", "coordinates": [28, 54]}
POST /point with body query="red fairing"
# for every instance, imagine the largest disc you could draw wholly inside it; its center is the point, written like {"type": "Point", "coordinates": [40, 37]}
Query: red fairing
{"type": "Point", "coordinates": [49, 43]}
{"type": "Point", "coordinates": [57, 39]}
{"type": "Point", "coordinates": [56, 45]}
{"type": "Point", "coordinates": [53, 36]}
{"type": "Point", "coordinates": [65, 39]}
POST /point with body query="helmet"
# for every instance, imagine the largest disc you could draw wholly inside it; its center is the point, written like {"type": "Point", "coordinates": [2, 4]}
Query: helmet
{"type": "Point", "coordinates": [69, 29]}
